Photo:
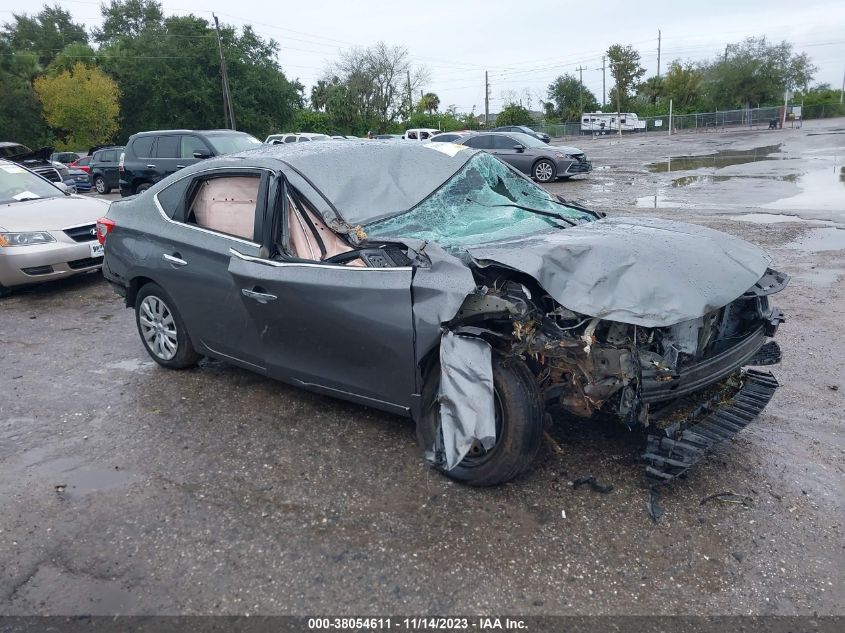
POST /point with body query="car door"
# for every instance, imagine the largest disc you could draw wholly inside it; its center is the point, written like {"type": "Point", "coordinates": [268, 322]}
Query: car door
{"type": "Point", "coordinates": [339, 329]}
{"type": "Point", "coordinates": [167, 156]}
{"type": "Point", "coordinates": [108, 167]}
{"type": "Point", "coordinates": [503, 149]}
{"type": "Point", "coordinates": [209, 213]}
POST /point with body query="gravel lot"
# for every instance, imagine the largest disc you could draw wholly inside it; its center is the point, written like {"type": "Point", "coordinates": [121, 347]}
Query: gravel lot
{"type": "Point", "coordinates": [127, 488]}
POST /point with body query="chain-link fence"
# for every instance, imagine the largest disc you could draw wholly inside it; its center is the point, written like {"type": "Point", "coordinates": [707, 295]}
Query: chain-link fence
{"type": "Point", "coordinates": [750, 118]}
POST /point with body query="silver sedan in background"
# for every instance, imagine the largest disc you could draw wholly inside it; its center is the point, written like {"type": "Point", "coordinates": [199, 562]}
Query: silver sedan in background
{"type": "Point", "coordinates": [45, 233]}
{"type": "Point", "coordinates": [544, 163]}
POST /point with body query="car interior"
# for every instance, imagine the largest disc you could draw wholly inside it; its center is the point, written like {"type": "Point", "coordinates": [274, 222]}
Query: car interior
{"type": "Point", "coordinates": [227, 205]}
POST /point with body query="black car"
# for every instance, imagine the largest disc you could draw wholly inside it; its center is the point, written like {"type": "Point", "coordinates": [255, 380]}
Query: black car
{"type": "Point", "coordinates": [524, 130]}
{"type": "Point", "coordinates": [104, 169]}
{"type": "Point", "coordinates": [152, 156]}
{"type": "Point", "coordinates": [37, 161]}
{"type": "Point", "coordinates": [441, 284]}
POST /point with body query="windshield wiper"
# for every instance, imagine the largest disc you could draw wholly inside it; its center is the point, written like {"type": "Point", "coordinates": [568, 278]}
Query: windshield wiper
{"type": "Point", "coordinates": [547, 214]}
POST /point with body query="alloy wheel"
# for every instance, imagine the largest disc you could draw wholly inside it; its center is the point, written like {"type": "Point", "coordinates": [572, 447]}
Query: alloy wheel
{"type": "Point", "coordinates": [543, 171]}
{"type": "Point", "coordinates": [158, 327]}
{"type": "Point", "coordinates": [100, 185]}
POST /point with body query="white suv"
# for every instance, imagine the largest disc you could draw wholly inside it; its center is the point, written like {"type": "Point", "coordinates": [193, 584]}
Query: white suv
{"type": "Point", "coordinates": [295, 137]}
{"type": "Point", "coordinates": [419, 134]}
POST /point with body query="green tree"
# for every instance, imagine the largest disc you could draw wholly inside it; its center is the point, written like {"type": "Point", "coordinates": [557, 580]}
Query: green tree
{"type": "Point", "coordinates": [72, 54]}
{"type": "Point", "coordinates": [81, 105]}
{"type": "Point", "coordinates": [128, 18]}
{"type": "Point", "coordinates": [44, 34]}
{"type": "Point", "coordinates": [429, 102]}
{"type": "Point", "coordinates": [683, 84]}
{"type": "Point", "coordinates": [626, 71]}
{"type": "Point", "coordinates": [514, 114]}
{"type": "Point", "coordinates": [311, 121]}
{"type": "Point", "coordinates": [169, 75]}
{"type": "Point", "coordinates": [565, 96]}
{"type": "Point", "coordinates": [755, 72]}
{"type": "Point", "coordinates": [651, 90]}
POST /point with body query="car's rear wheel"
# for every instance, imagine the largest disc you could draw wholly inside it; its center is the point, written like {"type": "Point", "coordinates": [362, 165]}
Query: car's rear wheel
{"type": "Point", "coordinates": [142, 187]}
{"type": "Point", "coordinates": [101, 186]}
{"type": "Point", "coordinates": [162, 330]}
{"type": "Point", "coordinates": [544, 171]}
{"type": "Point", "coordinates": [519, 425]}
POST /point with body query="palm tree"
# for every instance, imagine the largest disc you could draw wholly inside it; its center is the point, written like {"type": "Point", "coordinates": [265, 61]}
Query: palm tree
{"type": "Point", "coordinates": [429, 102]}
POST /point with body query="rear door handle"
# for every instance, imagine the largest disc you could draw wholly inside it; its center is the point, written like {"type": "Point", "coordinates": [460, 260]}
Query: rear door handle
{"type": "Point", "coordinates": [260, 297]}
{"type": "Point", "coordinates": [180, 167]}
{"type": "Point", "coordinates": [173, 260]}
{"type": "Point", "coordinates": [151, 166]}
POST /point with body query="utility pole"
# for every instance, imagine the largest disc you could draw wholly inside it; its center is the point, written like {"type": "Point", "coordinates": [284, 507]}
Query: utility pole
{"type": "Point", "coordinates": [842, 92]}
{"type": "Point", "coordinates": [228, 110]}
{"type": "Point", "coordinates": [410, 95]}
{"type": "Point", "coordinates": [581, 88]}
{"type": "Point", "coordinates": [603, 89]}
{"type": "Point", "coordinates": [658, 53]}
{"type": "Point", "coordinates": [486, 100]}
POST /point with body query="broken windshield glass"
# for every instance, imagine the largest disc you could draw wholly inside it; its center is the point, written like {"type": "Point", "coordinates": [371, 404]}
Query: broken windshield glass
{"type": "Point", "coordinates": [484, 202]}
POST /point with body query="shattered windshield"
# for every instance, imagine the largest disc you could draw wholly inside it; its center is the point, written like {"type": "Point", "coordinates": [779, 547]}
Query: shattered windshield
{"type": "Point", "coordinates": [483, 202]}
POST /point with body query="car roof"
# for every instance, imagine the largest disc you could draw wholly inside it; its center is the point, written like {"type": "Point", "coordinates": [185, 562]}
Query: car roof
{"type": "Point", "coordinates": [217, 131]}
{"type": "Point", "coordinates": [397, 177]}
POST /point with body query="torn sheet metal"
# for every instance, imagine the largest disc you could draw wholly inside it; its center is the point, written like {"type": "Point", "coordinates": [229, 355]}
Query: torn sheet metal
{"type": "Point", "coordinates": [437, 293]}
{"type": "Point", "coordinates": [648, 272]}
{"type": "Point", "coordinates": [465, 399]}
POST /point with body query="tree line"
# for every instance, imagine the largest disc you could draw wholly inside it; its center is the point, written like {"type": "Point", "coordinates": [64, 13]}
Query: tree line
{"type": "Point", "coordinates": [142, 70]}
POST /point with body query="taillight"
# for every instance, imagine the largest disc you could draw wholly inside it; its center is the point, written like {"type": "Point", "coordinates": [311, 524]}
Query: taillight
{"type": "Point", "coordinates": [104, 227]}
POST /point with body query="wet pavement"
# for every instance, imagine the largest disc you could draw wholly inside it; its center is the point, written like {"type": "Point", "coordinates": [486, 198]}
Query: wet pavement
{"type": "Point", "coordinates": [127, 488]}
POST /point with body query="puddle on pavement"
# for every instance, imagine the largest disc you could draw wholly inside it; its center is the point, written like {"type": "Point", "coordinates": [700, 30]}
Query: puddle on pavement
{"type": "Point", "coordinates": [816, 240]}
{"type": "Point", "coordinates": [766, 218]}
{"type": "Point", "coordinates": [686, 181]}
{"type": "Point", "coordinates": [722, 158]}
{"type": "Point", "coordinates": [81, 482]}
{"type": "Point", "coordinates": [819, 189]}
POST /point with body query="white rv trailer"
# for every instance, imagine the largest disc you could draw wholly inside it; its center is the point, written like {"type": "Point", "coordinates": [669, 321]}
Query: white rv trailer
{"type": "Point", "coordinates": [605, 123]}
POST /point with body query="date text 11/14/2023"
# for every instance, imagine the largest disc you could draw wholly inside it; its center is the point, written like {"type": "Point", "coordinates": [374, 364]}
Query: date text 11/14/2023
{"type": "Point", "coordinates": [480, 623]}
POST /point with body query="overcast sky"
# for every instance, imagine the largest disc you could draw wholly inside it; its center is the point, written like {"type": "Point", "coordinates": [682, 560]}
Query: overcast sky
{"type": "Point", "coordinates": [457, 40]}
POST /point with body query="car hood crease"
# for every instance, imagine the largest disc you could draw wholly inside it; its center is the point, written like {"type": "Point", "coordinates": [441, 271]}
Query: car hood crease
{"type": "Point", "coordinates": [647, 272]}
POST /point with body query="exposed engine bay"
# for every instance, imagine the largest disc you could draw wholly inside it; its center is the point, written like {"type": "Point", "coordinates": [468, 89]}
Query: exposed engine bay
{"type": "Point", "coordinates": [657, 378]}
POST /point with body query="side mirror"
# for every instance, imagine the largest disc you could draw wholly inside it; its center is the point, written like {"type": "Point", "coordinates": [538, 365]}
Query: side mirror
{"type": "Point", "coordinates": [63, 188]}
{"type": "Point", "coordinates": [519, 148]}
{"type": "Point", "coordinates": [202, 155]}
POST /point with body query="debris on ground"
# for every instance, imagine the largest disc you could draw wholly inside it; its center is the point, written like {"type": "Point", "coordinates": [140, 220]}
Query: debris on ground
{"type": "Point", "coordinates": [739, 556]}
{"type": "Point", "coordinates": [655, 510]}
{"type": "Point", "coordinates": [729, 497]}
{"type": "Point", "coordinates": [555, 446]}
{"type": "Point", "coordinates": [591, 481]}
{"type": "Point", "coordinates": [60, 487]}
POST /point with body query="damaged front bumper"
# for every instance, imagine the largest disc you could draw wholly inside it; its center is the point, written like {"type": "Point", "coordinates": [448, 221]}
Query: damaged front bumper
{"type": "Point", "coordinates": [678, 447]}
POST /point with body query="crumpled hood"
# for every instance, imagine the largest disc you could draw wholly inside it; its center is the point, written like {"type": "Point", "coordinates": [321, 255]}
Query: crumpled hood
{"type": "Point", "coordinates": [642, 271]}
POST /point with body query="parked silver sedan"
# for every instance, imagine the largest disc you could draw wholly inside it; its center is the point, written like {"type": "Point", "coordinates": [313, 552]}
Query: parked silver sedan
{"type": "Point", "coordinates": [544, 163]}
{"type": "Point", "coordinates": [45, 233]}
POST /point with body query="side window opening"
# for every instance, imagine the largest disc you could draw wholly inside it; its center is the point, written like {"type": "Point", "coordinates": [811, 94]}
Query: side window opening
{"type": "Point", "coordinates": [310, 238]}
{"type": "Point", "coordinates": [226, 204]}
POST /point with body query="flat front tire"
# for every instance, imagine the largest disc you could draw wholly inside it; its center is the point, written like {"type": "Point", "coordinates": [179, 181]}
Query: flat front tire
{"type": "Point", "coordinates": [162, 330]}
{"type": "Point", "coordinates": [544, 171]}
{"type": "Point", "coordinates": [519, 425]}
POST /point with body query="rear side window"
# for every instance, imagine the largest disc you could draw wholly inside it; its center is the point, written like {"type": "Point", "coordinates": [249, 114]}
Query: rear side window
{"type": "Point", "coordinates": [172, 198]}
{"type": "Point", "coordinates": [108, 156]}
{"type": "Point", "coordinates": [167, 147]}
{"type": "Point", "coordinates": [481, 142]}
{"type": "Point", "coordinates": [143, 147]}
{"type": "Point", "coordinates": [225, 204]}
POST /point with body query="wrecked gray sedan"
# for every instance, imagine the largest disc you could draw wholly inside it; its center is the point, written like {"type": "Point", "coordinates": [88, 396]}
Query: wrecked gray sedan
{"type": "Point", "coordinates": [436, 282]}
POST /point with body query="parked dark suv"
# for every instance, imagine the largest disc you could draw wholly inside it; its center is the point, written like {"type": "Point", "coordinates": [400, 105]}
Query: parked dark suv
{"type": "Point", "coordinates": [153, 156]}
{"type": "Point", "coordinates": [103, 169]}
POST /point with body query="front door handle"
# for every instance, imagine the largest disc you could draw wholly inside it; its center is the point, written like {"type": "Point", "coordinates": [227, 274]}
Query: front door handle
{"type": "Point", "coordinates": [173, 260]}
{"type": "Point", "coordinates": [260, 297]}
{"type": "Point", "coordinates": [151, 166]}
{"type": "Point", "coordinates": [180, 167]}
